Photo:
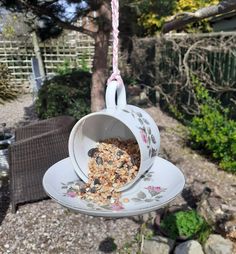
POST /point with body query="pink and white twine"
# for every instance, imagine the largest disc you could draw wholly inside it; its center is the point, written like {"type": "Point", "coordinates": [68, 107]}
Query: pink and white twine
{"type": "Point", "coordinates": [115, 50]}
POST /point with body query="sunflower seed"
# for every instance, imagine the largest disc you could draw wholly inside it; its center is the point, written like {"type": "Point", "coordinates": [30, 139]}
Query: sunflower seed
{"type": "Point", "coordinates": [82, 190]}
{"type": "Point", "coordinates": [121, 164]}
{"type": "Point", "coordinates": [92, 152]}
{"type": "Point", "coordinates": [119, 153]}
{"type": "Point", "coordinates": [110, 162]}
{"type": "Point", "coordinates": [96, 181]}
{"type": "Point", "coordinates": [99, 161]}
{"type": "Point", "coordinates": [93, 190]}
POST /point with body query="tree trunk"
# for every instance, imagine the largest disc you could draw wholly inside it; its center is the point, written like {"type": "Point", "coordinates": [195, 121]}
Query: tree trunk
{"type": "Point", "coordinates": [100, 71]}
{"type": "Point", "coordinates": [100, 60]}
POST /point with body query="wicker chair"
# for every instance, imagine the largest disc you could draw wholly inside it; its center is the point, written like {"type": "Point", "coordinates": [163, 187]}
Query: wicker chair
{"type": "Point", "coordinates": [38, 146]}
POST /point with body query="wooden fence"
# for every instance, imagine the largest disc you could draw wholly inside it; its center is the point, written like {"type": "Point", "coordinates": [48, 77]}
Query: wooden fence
{"type": "Point", "coordinates": [73, 47]}
{"type": "Point", "coordinates": [210, 56]}
{"type": "Point", "coordinates": [217, 58]}
{"type": "Point", "coordinates": [170, 67]}
{"type": "Point", "coordinates": [170, 59]}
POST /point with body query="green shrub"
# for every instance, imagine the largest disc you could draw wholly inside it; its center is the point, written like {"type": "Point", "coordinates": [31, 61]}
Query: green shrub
{"type": "Point", "coordinates": [186, 224]}
{"type": "Point", "coordinates": [213, 131]}
{"type": "Point", "coordinates": [64, 68]}
{"type": "Point", "coordinates": [7, 92]}
{"type": "Point", "coordinates": [67, 94]}
{"type": "Point", "coordinates": [67, 66]}
{"type": "Point", "coordinates": [83, 62]}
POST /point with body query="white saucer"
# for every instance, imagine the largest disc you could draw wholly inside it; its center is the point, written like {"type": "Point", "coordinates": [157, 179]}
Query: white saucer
{"type": "Point", "coordinates": [156, 188]}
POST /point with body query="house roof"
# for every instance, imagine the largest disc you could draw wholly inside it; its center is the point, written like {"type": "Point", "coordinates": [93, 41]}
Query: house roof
{"type": "Point", "coordinates": [221, 17]}
{"type": "Point", "coordinates": [225, 22]}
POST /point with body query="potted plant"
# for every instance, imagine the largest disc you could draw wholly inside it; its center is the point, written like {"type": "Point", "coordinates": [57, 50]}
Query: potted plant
{"type": "Point", "coordinates": [183, 225]}
{"type": "Point", "coordinates": [6, 139]}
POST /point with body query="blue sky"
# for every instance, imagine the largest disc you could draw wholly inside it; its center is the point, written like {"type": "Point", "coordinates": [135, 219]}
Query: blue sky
{"type": "Point", "coordinates": [71, 8]}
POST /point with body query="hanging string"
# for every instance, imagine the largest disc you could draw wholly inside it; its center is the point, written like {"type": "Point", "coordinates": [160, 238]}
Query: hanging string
{"type": "Point", "coordinates": [115, 47]}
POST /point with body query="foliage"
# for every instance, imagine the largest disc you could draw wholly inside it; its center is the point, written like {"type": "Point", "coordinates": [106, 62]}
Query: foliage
{"type": "Point", "coordinates": [63, 68]}
{"type": "Point", "coordinates": [47, 28]}
{"type": "Point", "coordinates": [67, 94]}
{"type": "Point", "coordinates": [48, 18]}
{"type": "Point", "coordinates": [4, 140]}
{"type": "Point", "coordinates": [7, 92]}
{"type": "Point", "coordinates": [66, 67]}
{"type": "Point", "coordinates": [4, 146]}
{"type": "Point", "coordinates": [14, 25]}
{"type": "Point", "coordinates": [191, 5]}
{"type": "Point", "coordinates": [83, 62]}
{"type": "Point", "coordinates": [4, 137]}
{"type": "Point", "coordinates": [155, 13]}
{"type": "Point", "coordinates": [213, 131]}
{"type": "Point", "coordinates": [185, 224]}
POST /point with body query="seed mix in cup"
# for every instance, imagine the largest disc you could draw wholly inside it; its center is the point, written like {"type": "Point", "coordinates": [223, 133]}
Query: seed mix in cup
{"type": "Point", "coordinates": [112, 164]}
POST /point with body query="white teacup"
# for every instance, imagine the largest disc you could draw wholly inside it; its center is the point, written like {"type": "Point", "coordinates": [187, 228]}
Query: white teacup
{"type": "Point", "coordinates": [115, 121]}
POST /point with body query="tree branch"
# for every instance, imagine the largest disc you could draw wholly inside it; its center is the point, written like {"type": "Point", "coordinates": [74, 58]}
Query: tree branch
{"type": "Point", "coordinates": [70, 26]}
{"type": "Point", "coordinates": [206, 12]}
{"type": "Point", "coordinates": [39, 11]}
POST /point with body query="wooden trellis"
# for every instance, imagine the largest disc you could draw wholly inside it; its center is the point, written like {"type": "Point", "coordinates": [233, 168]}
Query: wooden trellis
{"type": "Point", "coordinates": [73, 47]}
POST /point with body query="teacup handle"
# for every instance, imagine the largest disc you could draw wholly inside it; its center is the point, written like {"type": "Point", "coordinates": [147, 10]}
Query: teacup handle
{"type": "Point", "coordinates": [114, 88]}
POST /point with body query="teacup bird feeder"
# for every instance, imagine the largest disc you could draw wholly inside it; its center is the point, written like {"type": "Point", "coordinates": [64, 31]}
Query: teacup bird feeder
{"type": "Point", "coordinates": [157, 181]}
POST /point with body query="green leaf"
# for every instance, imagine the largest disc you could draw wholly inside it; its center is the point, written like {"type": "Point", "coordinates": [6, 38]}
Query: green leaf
{"type": "Point", "coordinates": [126, 111]}
{"type": "Point", "coordinates": [141, 195]}
{"type": "Point", "coordinates": [140, 120]}
{"type": "Point", "coordinates": [138, 114]}
{"type": "Point", "coordinates": [136, 199]}
{"type": "Point", "coordinates": [148, 200]}
{"type": "Point", "coordinates": [146, 121]}
{"type": "Point", "coordinates": [153, 193]}
{"type": "Point", "coordinates": [90, 205]}
{"type": "Point", "coordinates": [153, 139]}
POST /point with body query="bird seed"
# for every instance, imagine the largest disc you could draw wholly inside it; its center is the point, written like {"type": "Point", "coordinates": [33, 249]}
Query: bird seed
{"type": "Point", "coordinates": [112, 164]}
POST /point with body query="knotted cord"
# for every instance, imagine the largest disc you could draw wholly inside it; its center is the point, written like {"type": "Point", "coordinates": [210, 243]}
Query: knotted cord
{"type": "Point", "coordinates": [115, 47]}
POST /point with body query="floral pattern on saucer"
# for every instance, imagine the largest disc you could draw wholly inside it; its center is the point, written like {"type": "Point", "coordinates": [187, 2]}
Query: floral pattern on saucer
{"type": "Point", "coordinates": [61, 183]}
{"type": "Point", "coordinates": [150, 193]}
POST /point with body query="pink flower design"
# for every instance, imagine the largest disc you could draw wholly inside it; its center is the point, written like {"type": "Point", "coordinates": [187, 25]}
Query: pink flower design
{"type": "Point", "coordinates": [143, 136]}
{"type": "Point", "coordinates": [117, 206]}
{"type": "Point", "coordinates": [153, 188]}
{"type": "Point", "coordinates": [71, 194]}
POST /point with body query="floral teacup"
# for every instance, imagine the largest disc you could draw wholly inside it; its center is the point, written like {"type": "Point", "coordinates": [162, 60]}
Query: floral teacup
{"type": "Point", "coordinates": [115, 121]}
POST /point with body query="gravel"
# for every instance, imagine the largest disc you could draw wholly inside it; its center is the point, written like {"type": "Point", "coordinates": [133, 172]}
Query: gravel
{"type": "Point", "coordinates": [19, 112]}
{"type": "Point", "coordinates": [46, 227]}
